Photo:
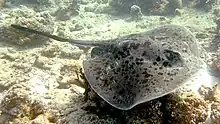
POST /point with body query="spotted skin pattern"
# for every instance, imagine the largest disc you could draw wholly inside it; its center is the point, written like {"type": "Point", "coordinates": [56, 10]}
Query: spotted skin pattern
{"type": "Point", "coordinates": [141, 67]}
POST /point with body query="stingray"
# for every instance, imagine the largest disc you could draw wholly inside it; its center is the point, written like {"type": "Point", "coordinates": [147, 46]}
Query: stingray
{"type": "Point", "coordinates": [140, 67]}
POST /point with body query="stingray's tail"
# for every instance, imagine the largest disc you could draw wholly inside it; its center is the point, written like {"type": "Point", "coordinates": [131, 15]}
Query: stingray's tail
{"type": "Point", "coordinates": [77, 42]}
{"type": "Point", "coordinates": [39, 32]}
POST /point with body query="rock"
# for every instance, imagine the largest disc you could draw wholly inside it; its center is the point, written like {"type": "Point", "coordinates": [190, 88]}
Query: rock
{"type": "Point", "coordinates": [212, 95]}
{"type": "Point", "coordinates": [179, 12]}
{"type": "Point", "coordinates": [217, 22]}
{"type": "Point", "coordinates": [65, 13]}
{"type": "Point", "coordinates": [190, 109]}
{"type": "Point", "coordinates": [65, 82]}
{"type": "Point", "coordinates": [84, 2]}
{"type": "Point", "coordinates": [70, 51]}
{"type": "Point", "coordinates": [51, 51]}
{"type": "Point", "coordinates": [70, 75]}
{"type": "Point", "coordinates": [2, 3]}
{"type": "Point", "coordinates": [215, 114]}
{"type": "Point", "coordinates": [18, 107]}
{"type": "Point", "coordinates": [64, 50]}
{"type": "Point", "coordinates": [78, 27]}
{"type": "Point", "coordinates": [207, 4]}
{"type": "Point", "coordinates": [173, 5]}
{"type": "Point", "coordinates": [216, 63]}
{"type": "Point", "coordinates": [135, 12]}
{"type": "Point", "coordinates": [24, 1]}
{"type": "Point", "coordinates": [173, 108]}
{"type": "Point", "coordinates": [9, 56]}
{"type": "Point", "coordinates": [38, 3]}
{"type": "Point", "coordinates": [17, 103]}
{"type": "Point", "coordinates": [42, 63]}
{"type": "Point", "coordinates": [90, 8]}
{"type": "Point", "coordinates": [216, 11]}
{"type": "Point", "coordinates": [41, 119]}
{"type": "Point", "coordinates": [70, 68]}
{"type": "Point", "coordinates": [202, 35]}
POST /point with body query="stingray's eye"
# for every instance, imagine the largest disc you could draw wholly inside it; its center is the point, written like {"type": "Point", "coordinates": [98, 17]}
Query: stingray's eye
{"type": "Point", "coordinates": [172, 58]}
{"type": "Point", "coordinates": [97, 51]}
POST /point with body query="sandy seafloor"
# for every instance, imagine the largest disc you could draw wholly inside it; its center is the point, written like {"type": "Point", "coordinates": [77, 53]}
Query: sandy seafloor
{"type": "Point", "coordinates": [39, 82]}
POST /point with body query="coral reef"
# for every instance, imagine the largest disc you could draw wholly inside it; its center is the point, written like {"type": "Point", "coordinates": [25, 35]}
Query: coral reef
{"type": "Point", "coordinates": [147, 6]}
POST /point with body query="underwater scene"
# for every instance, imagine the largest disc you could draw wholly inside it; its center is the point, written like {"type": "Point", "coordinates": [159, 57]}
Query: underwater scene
{"type": "Point", "coordinates": [109, 61]}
